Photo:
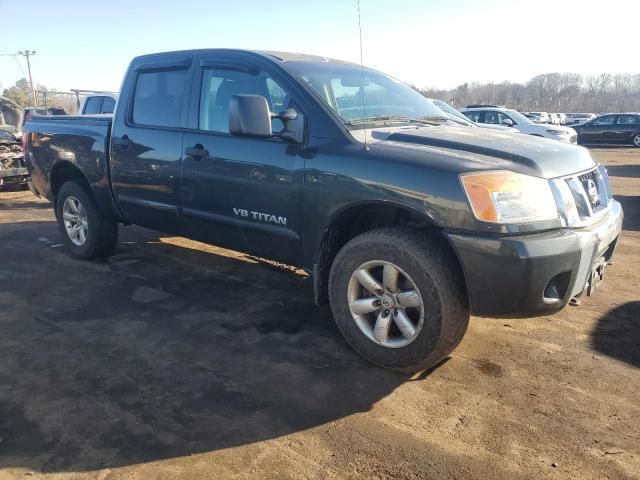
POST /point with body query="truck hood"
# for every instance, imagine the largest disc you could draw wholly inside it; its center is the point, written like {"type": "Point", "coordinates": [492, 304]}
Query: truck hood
{"type": "Point", "coordinates": [481, 148]}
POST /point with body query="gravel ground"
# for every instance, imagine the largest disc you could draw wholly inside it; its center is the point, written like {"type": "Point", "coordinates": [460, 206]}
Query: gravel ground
{"type": "Point", "coordinates": [174, 359]}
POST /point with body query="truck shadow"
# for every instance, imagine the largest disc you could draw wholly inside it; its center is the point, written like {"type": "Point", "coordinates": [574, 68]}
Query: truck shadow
{"type": "Point", "coordinates": [629, 171]}
{"type": "Point", "coordinates": [617, 333]}
{"type": "Point", "coordinates": [631, 206]}
{"type": "Point", "coordinates": [161, 351]}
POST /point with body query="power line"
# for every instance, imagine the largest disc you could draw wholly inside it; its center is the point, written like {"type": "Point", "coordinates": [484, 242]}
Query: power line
{"type": "Point", "coordinates": [15, 57]}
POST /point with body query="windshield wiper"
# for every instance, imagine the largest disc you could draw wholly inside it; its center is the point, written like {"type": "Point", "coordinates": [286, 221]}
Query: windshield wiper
{"type": "Point", "coordinates": [427, 120]}
{"type": "Point", "coordinates": [424, 120]}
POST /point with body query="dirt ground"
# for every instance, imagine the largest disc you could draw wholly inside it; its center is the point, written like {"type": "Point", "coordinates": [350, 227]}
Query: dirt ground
{"type": "Point", "coordinates": [177, 360]}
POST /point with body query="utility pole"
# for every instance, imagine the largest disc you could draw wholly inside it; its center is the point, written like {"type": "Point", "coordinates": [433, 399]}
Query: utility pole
{"type": "Point", "coordinates": [27, 54]}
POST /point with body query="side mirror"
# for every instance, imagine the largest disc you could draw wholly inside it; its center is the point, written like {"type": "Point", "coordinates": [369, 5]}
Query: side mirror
{"type": "Point", "coordinates": [293, 121]}
{"type": "Point", "coordinates": [249, 116]}
{"type": "Point", "coordinates": [508, 122]}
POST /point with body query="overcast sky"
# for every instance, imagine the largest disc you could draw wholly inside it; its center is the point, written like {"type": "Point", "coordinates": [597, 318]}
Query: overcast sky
{"type": "Point", "coordinates": [439, 43]}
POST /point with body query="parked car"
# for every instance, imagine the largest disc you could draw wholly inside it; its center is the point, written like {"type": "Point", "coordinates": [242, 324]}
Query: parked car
{"type": "Point", "coordinates": [103, 103]}
{"type": "Point", "coordinates": [12, 167]}
{"type": "Point", "coordinates": [554, 119]}
{"type": "Point", "coordinates": [619, 128]}
{"type": "Point", "coordinates": [459, 117]}
{"type": "Point", "coordinates": [514, 119]}
{"type": "Point", "coordinates": [29, 112]}
{"type": "Point", "coordinates": [543, 117]}
{"type": "Point", "coordinates": [579, 118]}
{"type": "Point", "coordinates": [406, 221]}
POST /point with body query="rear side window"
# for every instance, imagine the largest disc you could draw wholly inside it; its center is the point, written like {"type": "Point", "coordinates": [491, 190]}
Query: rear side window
{"type": "Point", "coordinates": [108, 105]}
{"type": "Point", "coordinates": [627, 119]}
{"type": "Point", "coordinates": [473, 116]}
{"type": "Point", "coordinates": [92, 105]}
{"type": "Point", "coordinates": [608, 120]}
{"type": "Point", "coordinates": [158, 97]}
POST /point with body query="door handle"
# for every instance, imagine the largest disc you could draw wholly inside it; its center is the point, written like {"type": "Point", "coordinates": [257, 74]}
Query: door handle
{"type": "Point", "coordinates": [198, 152]}
{"type": "Point", "coordinates": [123, 142]}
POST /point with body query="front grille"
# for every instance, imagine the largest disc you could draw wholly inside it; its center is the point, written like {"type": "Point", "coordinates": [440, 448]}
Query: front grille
{"type": "Point", "coordinates": [591, 192]}
{"type": "Point", "coordinates": [591, 188]}
{"type": "Point", "coordinates": [573, 139]}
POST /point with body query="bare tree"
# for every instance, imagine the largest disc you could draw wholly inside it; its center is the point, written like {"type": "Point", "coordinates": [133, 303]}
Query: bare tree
{"type": "Point", "coordinates": [552, 92]}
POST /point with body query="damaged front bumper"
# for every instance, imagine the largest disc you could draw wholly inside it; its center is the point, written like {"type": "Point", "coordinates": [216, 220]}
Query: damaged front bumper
{"type": "Point", "coordinates": [13, 175]}
{"type": "Point", "coordinates": [533, 274]}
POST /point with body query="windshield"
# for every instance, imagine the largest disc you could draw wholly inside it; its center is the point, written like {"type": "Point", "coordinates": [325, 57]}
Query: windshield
{"type": "Point", "coordinates": [518, 117]}
{"type": "Point", "coordinates": [362, 98]}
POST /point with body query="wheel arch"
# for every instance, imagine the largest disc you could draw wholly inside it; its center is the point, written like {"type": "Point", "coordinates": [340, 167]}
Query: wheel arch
{"type": "Point", "coordinates": [354, 219]}
{"type": "Point", "coordinates": [64, 171]}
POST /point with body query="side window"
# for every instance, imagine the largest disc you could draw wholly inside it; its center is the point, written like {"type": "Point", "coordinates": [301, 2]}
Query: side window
{"type": "Point", "coordinates": [503, 116]}
{"type": "Point", "coordinates": [473, 116]}
{"type": "Point", "coordinates": [278, 101]}
{"type": "Point", "coordinates": [606, 120]}
{"type": "Point", "coordinates": [92, 105]}
{"type": "Point", "coordinates": [218, 86]}
{"type": "Point", "coordinates": [108, 105]}
{"type": "Point", "coordinates": [627, 119]}
{"type": "Point", "coordinates": [158, 98]}
{"type": "Point", "coordinates": [492, 117]}
{"type": "Point", "coordinates": [277, 96]}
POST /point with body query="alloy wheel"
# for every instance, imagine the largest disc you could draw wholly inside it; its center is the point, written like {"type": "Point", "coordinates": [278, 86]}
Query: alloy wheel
{"type": "Point", "coordinates": [75, 221]}
{"type": "Point", "coordinates": [385, 304]}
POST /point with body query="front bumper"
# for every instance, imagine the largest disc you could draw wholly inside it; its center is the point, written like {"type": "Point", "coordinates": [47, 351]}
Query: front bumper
{"type": "Point", "coordinates": [13, 175]}
{"type": "Point", "coordinates": [532, 274]}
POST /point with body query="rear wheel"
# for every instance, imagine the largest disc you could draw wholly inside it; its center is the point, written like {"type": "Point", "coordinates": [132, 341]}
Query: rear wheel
{"type": "Point", "coordinates": [85, 231]}
{"type": "Point", "coordinates": [399, 298]}
{"type": "Point", "coordinates": [636, 140]}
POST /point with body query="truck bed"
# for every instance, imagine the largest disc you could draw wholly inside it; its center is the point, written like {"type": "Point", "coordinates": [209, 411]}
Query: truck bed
{"type": "Point", "coordinates": [56, 143]}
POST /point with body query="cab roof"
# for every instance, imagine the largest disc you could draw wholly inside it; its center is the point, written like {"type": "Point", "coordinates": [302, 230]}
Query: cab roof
{"type": "Point", "coordinates": [273, 55]}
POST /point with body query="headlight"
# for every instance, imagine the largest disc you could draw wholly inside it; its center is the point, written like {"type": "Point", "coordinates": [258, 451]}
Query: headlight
{"type": "Point", "coordinates": [557, 132]}
{"type": "Point", "coordinates": [507, 197]}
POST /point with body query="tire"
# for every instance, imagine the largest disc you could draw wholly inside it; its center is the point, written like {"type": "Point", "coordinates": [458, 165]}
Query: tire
{"type": "Point", "coordinates": [431, 268]}
{"type": "Point", "coordinates": [636, 140]}
{"type": "Point", "coordinates": [101, 234]}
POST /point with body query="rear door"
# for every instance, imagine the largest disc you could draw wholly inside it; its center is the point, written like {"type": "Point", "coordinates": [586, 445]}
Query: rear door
{"type": "Point", "coordinates": [239, 192]}
{"type": "Point", "coordinates": [146, 143]}
{"type": "Point", "coordinates": [625, 127]}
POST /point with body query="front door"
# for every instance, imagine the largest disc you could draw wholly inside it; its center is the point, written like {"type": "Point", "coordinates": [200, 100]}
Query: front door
{"type": "Point", "coordinates": [598, 130]}
{"type": "Point", "coordinates": [239, 192]}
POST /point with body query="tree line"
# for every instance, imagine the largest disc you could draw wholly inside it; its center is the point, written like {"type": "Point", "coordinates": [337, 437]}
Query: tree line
{"type": "Point", "coordinates": [551, 92]}
{"type": "Point", "coordinates": [21, 95]}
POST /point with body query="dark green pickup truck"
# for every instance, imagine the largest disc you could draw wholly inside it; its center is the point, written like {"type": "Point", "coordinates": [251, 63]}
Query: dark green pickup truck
{"type": "Point", "coordinates": [407, 218]}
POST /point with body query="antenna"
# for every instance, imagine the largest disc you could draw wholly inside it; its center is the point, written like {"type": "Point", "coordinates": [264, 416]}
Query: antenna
{"type": "Point", "coordinates": [364, 103]}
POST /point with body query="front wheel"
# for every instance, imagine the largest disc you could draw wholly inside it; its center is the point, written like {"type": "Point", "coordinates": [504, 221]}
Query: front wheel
{"type": "Point", "coordinates": [85, 232]}
{"type": "Point", "coordinates": [636, 140]}
{"type": "Point", "coordinates": [398, 297]}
